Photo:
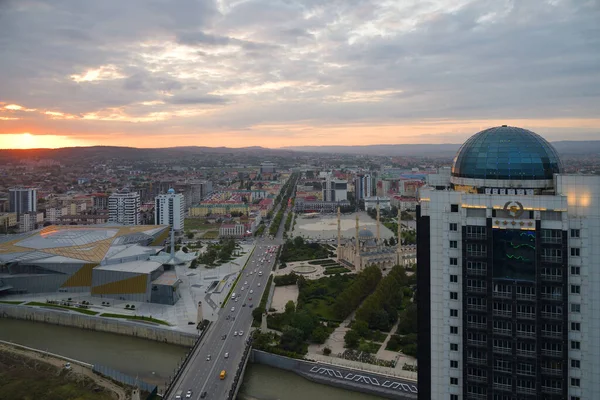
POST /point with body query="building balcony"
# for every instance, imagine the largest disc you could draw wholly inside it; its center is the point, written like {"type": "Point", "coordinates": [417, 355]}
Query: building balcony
{"type": "Point", "coordinates": [525, 334]}
{"type": "Point", "coordinates": [504, 332]}
{"type": "Point", "coordinates": [503, 370]}
{"type": "Point", "coordinates": [476, 396]}
{"type": "Point", "coordinates": [477, 307]}
{"type": "Point", "coordinates": [477, 361]}
{"type": "Point", "coordinates": [552, 353]}
{"type": "Point", "coordinates": [522, 315]}
{"type": "Point", "coordinates": [476, 325]}
{"type": "Point", "coordinates": [551, 315]}
{"type": "Point", "coordinates": [552, 371]}
{"type": "Point", "coordinates": [525, 372]}
{"type": "Point", "coordinates": [477, 343]}
{"type": "Point", "coordinates": [551, 278]}
{"type": "Point", "coordinates": [552, 334]}
{"type": "Point", "coordinates": [502, 350]}
{"type": "Point", "coordinates": [477, 254]}
{"type": "Point", "coordinates": [526, 353]}
{"type": "Point", "coordinates": [551, 390]}
{"type": "Point", "coordinates": [502, 313]}
{"type": "Point", "coordinates": [476, 289]}
{"type": "Point", "coordinates": [476, 272]}
{"type": "Point", "coordinates": [476, 236]}
{"type": "Point", "coordinates": [502, 295]}
{"type": "Point", "coordinates": [525, 390]}
{"type": "Point", "coordinates": [477, 378]}
{"type": "Point", "coordinates": [502, 386]}
{"type": "Point", "coordinates": [551, 240]}
{"type": "Point", "coordinates": [526, 296]}
{"type": "Point", "coordinates": [552, 297]}
{"type": "Point", "coordinates": [552, 259]}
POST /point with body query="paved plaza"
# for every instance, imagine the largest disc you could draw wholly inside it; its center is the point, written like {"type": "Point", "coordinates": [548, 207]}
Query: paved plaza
{"type": "Point", "coordinates": [325, 226]}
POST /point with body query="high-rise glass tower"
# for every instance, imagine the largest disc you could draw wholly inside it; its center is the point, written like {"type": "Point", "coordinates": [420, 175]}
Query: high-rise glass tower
{"type": "Point", "coordinates": [508, 275]}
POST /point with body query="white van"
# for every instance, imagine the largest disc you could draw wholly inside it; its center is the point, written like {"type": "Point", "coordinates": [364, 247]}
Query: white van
{"type": "Point", "coordinates": [233, 296]}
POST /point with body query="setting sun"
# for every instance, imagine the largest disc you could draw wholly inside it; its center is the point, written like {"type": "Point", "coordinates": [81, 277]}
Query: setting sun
{"type": "Point", "coordinates": [27, 140]}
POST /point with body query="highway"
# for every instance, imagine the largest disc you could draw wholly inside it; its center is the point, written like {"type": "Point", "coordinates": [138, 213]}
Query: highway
{"type": "Point", "coordinates": [221, 344]}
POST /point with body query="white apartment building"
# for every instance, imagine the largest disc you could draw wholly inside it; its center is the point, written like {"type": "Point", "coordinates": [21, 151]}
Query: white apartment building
{"type": "Point", "coordinates": [169, 209]}
{"type": "Point", "coordinates": [124, 208]}
{"type": "Point", "coordinates": [508, 280]}
{"type": "Point", "coordinates": [54, 213]}
{"type": "Point", "coordinates": [30, 221]}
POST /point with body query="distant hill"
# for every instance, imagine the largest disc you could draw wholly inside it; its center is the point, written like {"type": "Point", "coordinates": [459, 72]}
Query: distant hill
{"type": "Point", "coordinates": [570, 147]}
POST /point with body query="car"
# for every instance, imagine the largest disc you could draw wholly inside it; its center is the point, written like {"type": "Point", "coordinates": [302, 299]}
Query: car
{"type": "Point", "coordinates": [226, 355]}
{"type": "Point", "coordinates": [232, 309]}
{"type": "Point", "coordinates": [245, 283]}
{"type": "Point", "coordinates": [250, 272]}
{"type": "Point", "coordinates": [250, 306]}
{"type": "Point", "coordinates": [236, 300]}
{"type": "Point", "coordinates": [179, 394]}
{"type": "Point", "coordinates": [203, 395]}
{"type": "Point", "coordinates": [223, 337]}
{"type": "Point", "coordinates": [241, 333]}
{"type": "Point", "coordinates": [250, 298]}
{"type": "Point", "coordinates": [208, 358]}
{"type": "Point", "coordinates": [251, 291]}
{"type": "Point", "coordinates": [188, 394]}
{"type": "Point", "coordinates": [258, 283]}
{"type": "Point", "coordinates": [244, 305]}
{"type": "Point", "coordinates": [235, 333]}
{"type": "Point", "coordinates": [242, 288]}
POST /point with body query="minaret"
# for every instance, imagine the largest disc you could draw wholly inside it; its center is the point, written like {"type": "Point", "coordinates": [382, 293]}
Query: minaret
{"type": "Point", "coordinates": [357, 240]}
{"type": "Point", "coordinates": [399, 249]}
{"type": "Point", "coordinates": [172, 242]}
{"type": "Point", "coordinates": [378, 237]}
{"type": "Point", "coordinates": [339, 216]}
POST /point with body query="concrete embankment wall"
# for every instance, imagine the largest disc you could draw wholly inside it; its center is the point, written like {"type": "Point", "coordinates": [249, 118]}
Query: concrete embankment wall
{"type": "Point", "coordinates": [120, 327]}
{"type": "Point", "coordinates": [344, 378]}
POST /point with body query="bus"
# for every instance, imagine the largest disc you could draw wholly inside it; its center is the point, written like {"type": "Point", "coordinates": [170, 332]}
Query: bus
{"type": "Point", "coordinates": [222, 375]}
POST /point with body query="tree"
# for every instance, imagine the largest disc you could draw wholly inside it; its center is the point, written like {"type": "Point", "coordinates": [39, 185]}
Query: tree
{"type": "Point", "coordinates": [190, 235]}
{"type": "Point", "coordinates": [292, 339]}
{"type": "Point", "coordinates": [351, 339]}
{"type": "Point", "coordinates": [319, 334]}
{"type": "Point", "coordinates": [290, 307]}
{"type": "Point", "coordinates": [361, 327]}
{"type": "Point", "coordinates": [257, 313]}
{"type": "Point", "coordinates": [326, 351]}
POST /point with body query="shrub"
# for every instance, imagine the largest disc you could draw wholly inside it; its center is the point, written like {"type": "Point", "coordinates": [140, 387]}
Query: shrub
{"type": "Point", "coordinates": [326, 351]}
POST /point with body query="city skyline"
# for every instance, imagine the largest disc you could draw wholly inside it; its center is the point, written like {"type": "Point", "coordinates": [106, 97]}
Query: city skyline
{"type": "Point", "coordinates": [271, 74]}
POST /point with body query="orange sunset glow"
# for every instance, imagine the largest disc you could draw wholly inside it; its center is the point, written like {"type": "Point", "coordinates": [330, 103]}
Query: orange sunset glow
{"type": "Point", "coordinates": [307, 75]}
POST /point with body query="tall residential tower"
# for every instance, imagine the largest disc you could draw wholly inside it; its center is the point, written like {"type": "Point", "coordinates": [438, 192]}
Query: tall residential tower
{"type": "Point", "coordinates": [124, 207]}
{"type": "Point", "coordinates": [169, 209]}
{"type": "Point", "coordinates": [508, 284]}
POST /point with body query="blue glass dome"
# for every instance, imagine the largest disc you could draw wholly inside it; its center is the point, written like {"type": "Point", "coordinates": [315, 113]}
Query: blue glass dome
{"type": "Point", "coordinates": [506, 152]}
{"type": "Point", "coordinates": [171, 191]}
{"type": "Point", "coordinates": [365, 233]}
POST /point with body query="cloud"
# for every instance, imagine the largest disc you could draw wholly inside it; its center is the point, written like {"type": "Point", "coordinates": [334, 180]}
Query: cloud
{"type": "Point", "coordinates": [198, 66]}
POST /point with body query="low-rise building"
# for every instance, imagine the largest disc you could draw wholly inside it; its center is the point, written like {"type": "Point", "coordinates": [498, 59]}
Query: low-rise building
{"type": "Point", "coordinates": [233, 230]}
{"type": "Point", "coordinates": [371, 202]}
{"type": "Point", "coordinates": [8, 220]}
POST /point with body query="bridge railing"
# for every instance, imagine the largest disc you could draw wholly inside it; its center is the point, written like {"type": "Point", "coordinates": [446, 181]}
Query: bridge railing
{"type": "Point", "coordinates": [240, 369]}
{"type": "Point", "coordinates": [169, 385]}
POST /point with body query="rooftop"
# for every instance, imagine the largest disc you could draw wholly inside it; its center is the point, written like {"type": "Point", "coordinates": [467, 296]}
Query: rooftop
{"type": "Point", "coordinates": [139, 267]}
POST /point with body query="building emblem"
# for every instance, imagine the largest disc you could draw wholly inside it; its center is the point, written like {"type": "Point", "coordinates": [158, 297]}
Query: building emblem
{"type": "Point", "coordinates": [514, 208]}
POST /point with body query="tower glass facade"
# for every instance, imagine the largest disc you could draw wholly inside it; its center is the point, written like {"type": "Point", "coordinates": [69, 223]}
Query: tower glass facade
{"type": "Point", "coordinates": [496, 296]}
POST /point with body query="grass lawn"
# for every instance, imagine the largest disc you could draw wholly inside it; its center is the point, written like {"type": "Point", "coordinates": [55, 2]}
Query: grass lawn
{"type": "Point", "coordinates": [197, 223]}
{"type": "Point", "coordinates": [321, 308]}
{"type": "Point", "coordinates": [48, 305]}
{"type": "Point", "coordinates": [24, 378]}
{"type": "Point", "coordinates": [211, 235]}
{"type": "Point", "coordinates": [11, 302]}
{"type": "Point", "coordinates": [370, 346]}
{"type": "Point", "coordinates": [135, 317]}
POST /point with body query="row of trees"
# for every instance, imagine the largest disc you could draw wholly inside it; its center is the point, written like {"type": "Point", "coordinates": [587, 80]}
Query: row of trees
{"type": "Point", "coordinates": [380, 309]}
{"type": "Point", "coordinates": [299, 250]}
{"type": "Point", "coordinates": [218, 252]}
{"type": "Point", "coordinates": [288, 279]}
{"type": "Point", "coordinates": [363, 285]}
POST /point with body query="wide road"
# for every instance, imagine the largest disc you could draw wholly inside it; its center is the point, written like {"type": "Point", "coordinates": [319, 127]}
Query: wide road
{"type": "Point", "coordinates": [222, 349]}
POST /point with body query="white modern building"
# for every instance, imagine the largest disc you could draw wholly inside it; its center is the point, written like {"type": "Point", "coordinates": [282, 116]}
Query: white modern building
{"type": "Point", "coordinates": [371, 202]}
{"type": "Point", "coordinates": [169, 209]}
{"type": "Point", "coordinates": [508, 277]}
{"type": "Point", "coordinates": [22, 200]}
{"type": "Point", "coordinates": [124, 208]}
{"type": "Point", "coordinates": [335, 189]}
{"type": "Point", "coordinates": [363, 186]}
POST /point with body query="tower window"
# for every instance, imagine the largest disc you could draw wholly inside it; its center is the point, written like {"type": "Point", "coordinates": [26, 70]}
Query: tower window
{"type": "Point", "coordinates": [453, 346]}
{"type": "Point", "coordinates": [453, 226]}
{"type": "Point", "coordinates": [575, 289]}
{"type": "Point", "coordinates": [454, 381]}
{"type": "Point", "coordinates": [575, 345]}
{"type": "Point", "coordinates": [575, 251]}
{"type": "Point", "coordinates": [454, 330]}
{"type": "Point", "coordinates": [575, 326]}
{"type": "Point", "coordinates": [453, 295]}
{"type": "Point", "coordinates": [453, 207]}
{"type": "Point", "coordinates": [575, 308]}
{"type": "Point", "coordinates": [453, 261]}
{"type": "Point", "coordinates": [453, 244]}
{"type": "Point", "coordinates": [453, 364]}
{"type": "Point", "coordinates": [453, 313]}
{"type": "Point", "coordinates": [454, 278]}
{"type": "Point", "coordinates": [575, 364]}
{"type": "Point", "coordinates": [575, 270]}
{"type": "Point", "coordinates": [575, 233]}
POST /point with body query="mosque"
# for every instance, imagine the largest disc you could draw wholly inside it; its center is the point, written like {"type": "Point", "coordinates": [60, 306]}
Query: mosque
{"type": "Point", "coordinates": [366, 249]}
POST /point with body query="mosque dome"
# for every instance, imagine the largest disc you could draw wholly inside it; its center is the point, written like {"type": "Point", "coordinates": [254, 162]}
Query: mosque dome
{"type": "Point", "coordinates": [365, 234]}
{"type": "Point", "coordinates": [506, 153]}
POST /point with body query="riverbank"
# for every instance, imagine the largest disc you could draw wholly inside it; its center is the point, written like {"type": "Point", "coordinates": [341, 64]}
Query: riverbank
{"type": "Point", "coordinates": [29, 374]}
{"type": "Point", "coordinates": [61, 317]}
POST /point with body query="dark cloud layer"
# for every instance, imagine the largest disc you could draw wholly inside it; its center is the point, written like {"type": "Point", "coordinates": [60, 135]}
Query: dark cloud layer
{"type": "Point", "coordinates": [226, 64]}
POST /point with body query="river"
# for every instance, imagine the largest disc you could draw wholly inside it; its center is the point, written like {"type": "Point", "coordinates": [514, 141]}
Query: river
{"type": "Point", "coordinates": [154, 362]}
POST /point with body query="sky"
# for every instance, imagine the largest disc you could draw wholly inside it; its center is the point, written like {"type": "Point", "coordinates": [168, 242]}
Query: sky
{"type": "Point", "coordinates": [276, 73]}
